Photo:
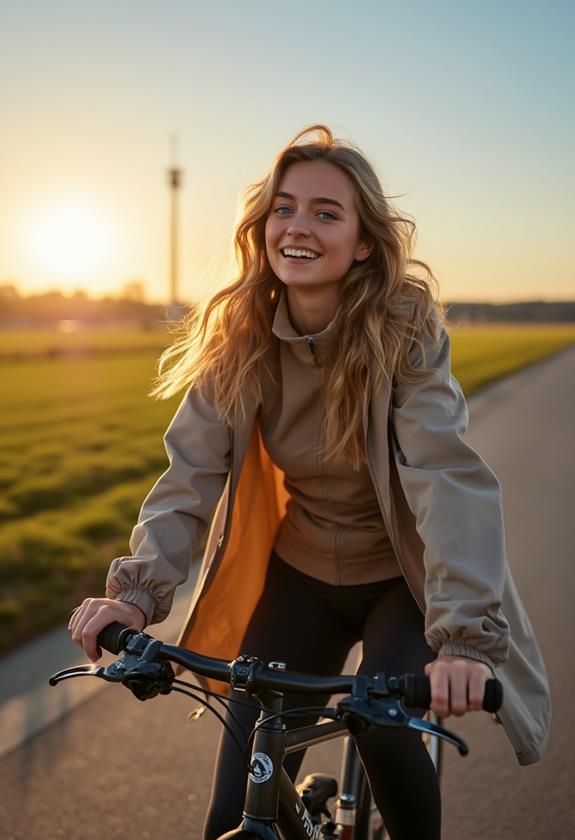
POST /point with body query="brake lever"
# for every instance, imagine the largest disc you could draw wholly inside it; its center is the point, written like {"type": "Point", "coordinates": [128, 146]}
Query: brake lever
{"type": "Point", "coordinates": [433, 729]}
{"type": "Point", "coordinates": [76, 671]}
{"type": "Point", "coordinates": [135, 669]}
{"type": "Point", "coordinates": [390, 712]}
{"type": "Point", "coordinates": [115, 672]}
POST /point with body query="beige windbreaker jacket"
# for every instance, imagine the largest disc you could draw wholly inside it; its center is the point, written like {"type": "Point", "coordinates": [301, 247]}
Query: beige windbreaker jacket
{"type": "Point", "coordinates": [440, 502]}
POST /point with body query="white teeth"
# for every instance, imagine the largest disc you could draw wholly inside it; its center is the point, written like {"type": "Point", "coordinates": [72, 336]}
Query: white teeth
{"type": "Point", "coordinates": [298, 252]}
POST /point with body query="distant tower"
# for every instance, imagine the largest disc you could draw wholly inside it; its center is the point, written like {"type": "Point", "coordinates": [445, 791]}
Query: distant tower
{"type": "Point", "coordinates": [175, 309]}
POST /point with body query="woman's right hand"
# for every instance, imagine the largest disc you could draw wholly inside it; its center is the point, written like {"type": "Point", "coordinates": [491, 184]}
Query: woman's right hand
{"type": "Point", "coordinates": [94, 614]}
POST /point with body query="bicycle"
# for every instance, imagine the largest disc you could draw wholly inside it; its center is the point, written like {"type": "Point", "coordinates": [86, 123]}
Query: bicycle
{"type": "Point", "coordinates": [274, 808]}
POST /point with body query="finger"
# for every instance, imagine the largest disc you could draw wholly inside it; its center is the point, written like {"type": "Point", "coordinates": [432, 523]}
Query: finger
{"type": "Point", "coordinates": [458, 678]}
{"type": "Point", "coordinates": [87, 611]}
{"type": "Point", "coordinates": [439, 690]}
{"type": "Point", "coordinates": [76, 616]}
{"type": "Point", "coordinates": [476, 689]}
{"type": "Point", "coordinates": [90, 633]}
{"type": "Point", "coordinates": [71, 615]}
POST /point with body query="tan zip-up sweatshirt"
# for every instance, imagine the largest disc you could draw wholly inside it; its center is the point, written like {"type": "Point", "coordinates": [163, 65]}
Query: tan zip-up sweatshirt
{"type": "Point", "coordinates": [333, 529]}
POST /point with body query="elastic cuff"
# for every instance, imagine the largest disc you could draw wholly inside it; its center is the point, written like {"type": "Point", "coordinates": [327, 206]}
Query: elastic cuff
{"type": "Point", "coordinates": [142, 599]}
{"type": "Point", "coordinates": [455, 649]}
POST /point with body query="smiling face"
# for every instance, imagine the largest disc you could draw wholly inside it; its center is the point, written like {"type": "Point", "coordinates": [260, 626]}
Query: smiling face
{"type": "Point", "coordinates": [314, 217]}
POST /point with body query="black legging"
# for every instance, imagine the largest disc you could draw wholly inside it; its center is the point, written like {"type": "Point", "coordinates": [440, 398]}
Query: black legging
{"type": "Point", "coordinates": [312, 626]}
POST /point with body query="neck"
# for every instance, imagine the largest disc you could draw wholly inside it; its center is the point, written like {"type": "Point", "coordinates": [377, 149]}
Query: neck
{"type": "Point", "coordinates": [311, 310]}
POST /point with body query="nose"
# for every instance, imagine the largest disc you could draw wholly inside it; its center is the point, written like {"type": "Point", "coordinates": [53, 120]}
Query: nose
{"type": "Point", "coordinates": [297, 227]}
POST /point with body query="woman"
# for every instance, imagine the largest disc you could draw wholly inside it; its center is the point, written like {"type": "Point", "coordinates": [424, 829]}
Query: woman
{"type": "Point", "coordinates": [323, 426]}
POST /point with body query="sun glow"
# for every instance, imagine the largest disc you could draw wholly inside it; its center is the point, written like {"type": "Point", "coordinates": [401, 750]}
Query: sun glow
{"type": "Point", "coordinates": [72, 241]}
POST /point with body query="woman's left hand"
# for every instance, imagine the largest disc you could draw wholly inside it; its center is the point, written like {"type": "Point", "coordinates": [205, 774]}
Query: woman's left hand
{"type": "Point", "coordinates": [457, 685]}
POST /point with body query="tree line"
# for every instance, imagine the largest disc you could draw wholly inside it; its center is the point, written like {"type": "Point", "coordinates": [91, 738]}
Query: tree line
{"type": "Point", "coordinates": [50, 307]}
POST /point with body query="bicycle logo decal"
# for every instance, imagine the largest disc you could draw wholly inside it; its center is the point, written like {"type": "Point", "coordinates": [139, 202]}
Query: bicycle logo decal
{"type": "Point", "coordinates": [261, 768]}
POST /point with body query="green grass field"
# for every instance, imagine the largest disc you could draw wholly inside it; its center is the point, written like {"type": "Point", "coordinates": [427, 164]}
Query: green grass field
{"type": "Point", "coordinates": [81, 444]}
{"type": "Point", "coordinates": [49, 343]}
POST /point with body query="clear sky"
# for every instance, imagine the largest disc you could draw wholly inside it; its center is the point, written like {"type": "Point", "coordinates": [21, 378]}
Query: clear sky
{"type": "Point", "coordinates": [467, 109]}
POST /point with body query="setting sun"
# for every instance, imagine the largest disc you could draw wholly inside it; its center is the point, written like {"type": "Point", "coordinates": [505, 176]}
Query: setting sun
{"type": "Point", "coordinates": [70, 240]}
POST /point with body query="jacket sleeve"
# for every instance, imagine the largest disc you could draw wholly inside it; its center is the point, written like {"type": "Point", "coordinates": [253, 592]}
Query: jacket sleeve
{"type": "Point", "coordinates": [176, 514]}
{"type": "Point", "coordinates": [456, 501]}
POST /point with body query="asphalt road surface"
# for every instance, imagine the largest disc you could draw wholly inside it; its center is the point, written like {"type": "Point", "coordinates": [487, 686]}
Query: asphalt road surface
{"type": "Point", "coordinates": [117, 768]}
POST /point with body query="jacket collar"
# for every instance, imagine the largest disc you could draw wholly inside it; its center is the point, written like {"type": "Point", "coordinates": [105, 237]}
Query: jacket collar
{"type": "Point", "coordinates": [309, 349]}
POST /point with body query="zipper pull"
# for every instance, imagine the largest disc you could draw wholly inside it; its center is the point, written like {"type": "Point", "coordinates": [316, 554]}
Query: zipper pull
{"type": "Point", "coordinates": [312, 346]}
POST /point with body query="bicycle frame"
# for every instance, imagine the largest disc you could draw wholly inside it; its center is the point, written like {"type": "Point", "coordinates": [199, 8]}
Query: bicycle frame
{"type": "Point", "coordinates": [272, 801]}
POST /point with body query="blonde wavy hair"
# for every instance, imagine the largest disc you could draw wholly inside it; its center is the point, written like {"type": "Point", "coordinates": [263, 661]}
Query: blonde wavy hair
{"type": "Point", "coordinates": [227, 345]}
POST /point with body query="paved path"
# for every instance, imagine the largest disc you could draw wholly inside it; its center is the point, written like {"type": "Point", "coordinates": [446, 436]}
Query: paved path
{"type": "Point", "coordinates": [122, 769]}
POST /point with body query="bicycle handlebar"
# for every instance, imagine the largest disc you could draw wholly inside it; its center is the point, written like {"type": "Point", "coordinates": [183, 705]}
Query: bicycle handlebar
{"type": "Point", "coordinates": [243, 672]}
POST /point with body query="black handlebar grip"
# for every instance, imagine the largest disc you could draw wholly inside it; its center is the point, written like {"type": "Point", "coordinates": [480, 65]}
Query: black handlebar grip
{"type": "Point", "coordinates": [417, 693]}
{"type": "Point", "coordinates": [493, 696]}
{"type": "Point", "coordinates": [114, 637]}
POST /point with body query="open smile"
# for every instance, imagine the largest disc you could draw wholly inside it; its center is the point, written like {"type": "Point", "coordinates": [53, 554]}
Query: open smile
{"type": "Point", "coordinates": [299, 255]}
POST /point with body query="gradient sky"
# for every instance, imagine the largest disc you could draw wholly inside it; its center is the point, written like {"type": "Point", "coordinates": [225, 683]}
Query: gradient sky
{"type": "Point", "coordinates": [467, 109]}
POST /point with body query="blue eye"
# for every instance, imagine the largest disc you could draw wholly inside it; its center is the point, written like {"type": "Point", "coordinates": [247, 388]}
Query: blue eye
{"type": "Point", "coordinates": [282, 207]}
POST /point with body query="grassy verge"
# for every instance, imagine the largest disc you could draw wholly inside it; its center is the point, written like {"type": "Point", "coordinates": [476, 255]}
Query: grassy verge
{"type": "Point", "coordinates": [483, 354]}
{"type": "Point", "coordinates": [51, 343]}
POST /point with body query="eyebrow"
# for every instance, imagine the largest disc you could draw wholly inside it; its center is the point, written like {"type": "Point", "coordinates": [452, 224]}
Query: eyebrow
{"type": "Point", "coordinates": [312, 200]}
